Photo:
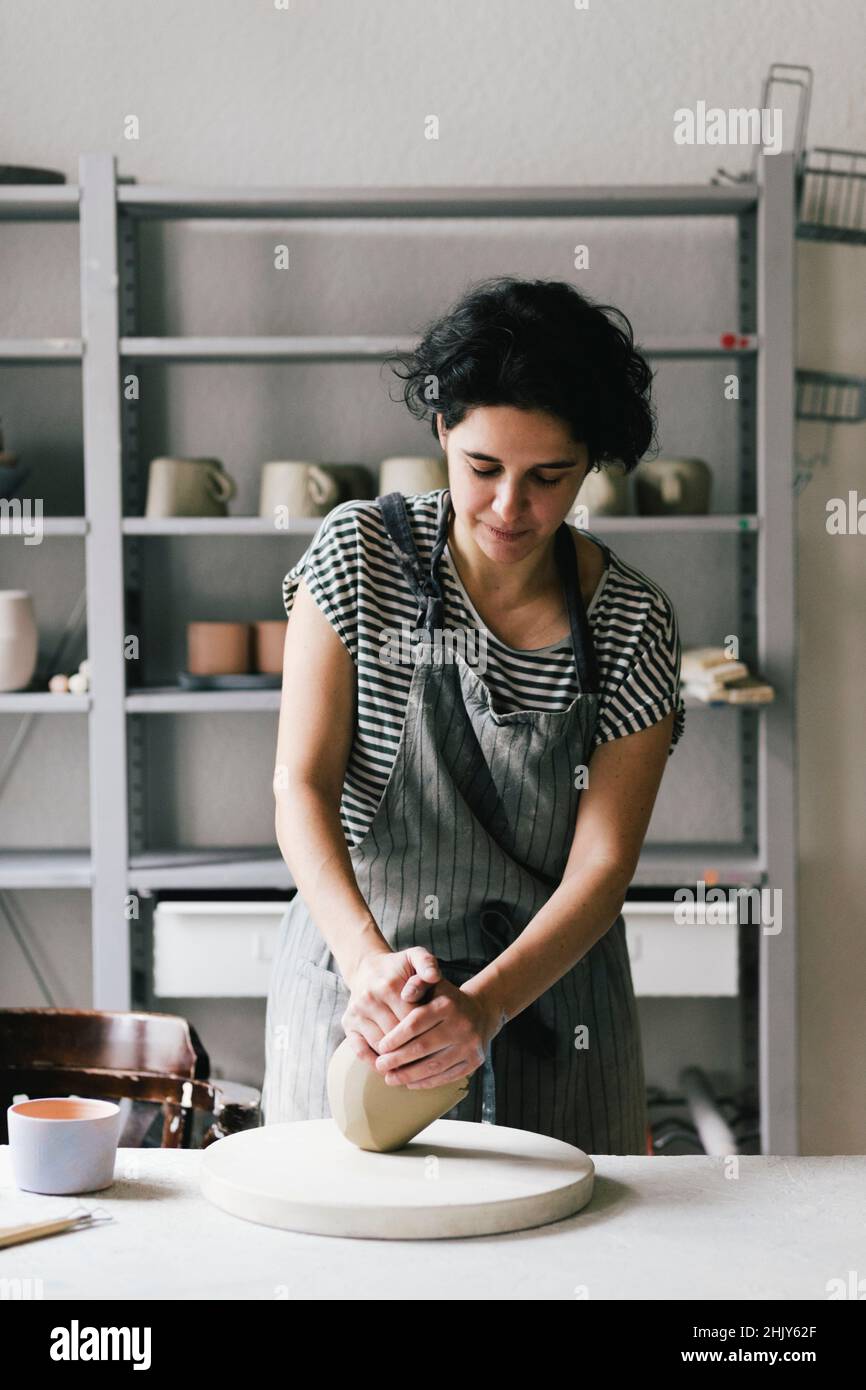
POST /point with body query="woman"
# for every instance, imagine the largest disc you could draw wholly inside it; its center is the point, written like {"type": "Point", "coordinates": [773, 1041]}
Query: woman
{"type": "Point", "coordinates": [455, 915]}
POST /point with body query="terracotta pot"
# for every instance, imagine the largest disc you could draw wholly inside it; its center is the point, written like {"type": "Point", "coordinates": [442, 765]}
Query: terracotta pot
{"type": "Point", "coordinates": [19, 639]}
{"type": "Point", "coordinates": [218, 649]}
{"type": "Point", "coordinates": [269, 639]}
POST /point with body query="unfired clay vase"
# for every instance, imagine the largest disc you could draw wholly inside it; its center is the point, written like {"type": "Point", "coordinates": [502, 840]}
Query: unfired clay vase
{"type": "Point", "coordinates": [217, 649]}
{"type": "Point", "coordinates": [301, 487]}
{"type": "Point", "coordinates": [188, 487]}
{"type": "Point", "coordinates": [19, 639]}
{"type": "Point", "coordinates": [606, 492]}
{"type": "Point", "coordinates": [377, 1116]}
{"type": "Point", "coordinates": [673, 487]}
{"type": "Point", "coordinates": [412, 474]}
{"type": "Point", "coordinates": [269, 639]}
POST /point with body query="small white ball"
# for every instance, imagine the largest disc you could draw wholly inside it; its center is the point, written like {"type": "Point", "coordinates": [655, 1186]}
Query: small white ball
{"type": "Point", "coordinates": [78, 684]}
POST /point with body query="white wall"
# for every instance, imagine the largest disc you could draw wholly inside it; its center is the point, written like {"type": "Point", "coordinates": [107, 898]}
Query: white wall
{"type": "Point", "coordinates": [338, 93]}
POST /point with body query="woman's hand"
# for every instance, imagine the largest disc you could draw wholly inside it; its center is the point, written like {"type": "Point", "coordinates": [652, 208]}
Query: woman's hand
{"type": "Point", "coordinates": [384, 990]}
{"type": "Point", "coordinates": [438, 1041]}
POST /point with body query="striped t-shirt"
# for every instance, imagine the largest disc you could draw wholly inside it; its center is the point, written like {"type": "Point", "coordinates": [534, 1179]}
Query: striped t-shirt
{"type": "Point", "coordinates": [354, 577]}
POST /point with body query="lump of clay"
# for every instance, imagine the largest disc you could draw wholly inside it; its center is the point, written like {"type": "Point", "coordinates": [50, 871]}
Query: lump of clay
{"type": "Point", "coordinates": [377, 1116]}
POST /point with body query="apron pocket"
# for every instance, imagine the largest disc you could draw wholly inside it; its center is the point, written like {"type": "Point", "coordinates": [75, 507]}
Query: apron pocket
{"type": "Point", "coordinates": [328, 979]}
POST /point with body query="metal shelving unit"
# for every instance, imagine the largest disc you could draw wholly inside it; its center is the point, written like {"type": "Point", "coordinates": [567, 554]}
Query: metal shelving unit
{"type": "Point", "coordinates": [119, 861]}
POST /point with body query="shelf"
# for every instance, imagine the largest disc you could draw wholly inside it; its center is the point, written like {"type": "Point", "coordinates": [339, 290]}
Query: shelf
{"type": "Point", "coordinates": [168, 699]}
{"type": "Point", "coordinates": [173, 699]}
{"type": "Point", "coordinates": [39, 202]}
{"type": "Point", "coordinates": [43, 702]}
{"type": "Point", "coordinates": [659, 866]}
{"type": "Point", "coordinates": [309, 525]}
{"type": "Point", "coordinates": [360, 347]}
{"type": "Point", "coordinates": [48, 525]}
{"type": "Point", "coordinates": [209, 868]}
{"type": "Point", "coordinates": [41, 350]}
{"type": "Point", "coordinates": [624, 200]}
{"type": "Point", "coordinates": [218, 526]}
{"type": "Point", "coordinates": [672, 866]}
{"type": "Point", "coordinates": [763, 273]}
{"type": "Point", "coordinates": [47, 868]}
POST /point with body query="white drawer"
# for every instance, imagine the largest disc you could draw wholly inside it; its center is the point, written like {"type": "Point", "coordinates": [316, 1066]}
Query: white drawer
{"type": "Point", "coordinates": [214, 949]}
{"type": "Point", "coordinates": [668, 958]}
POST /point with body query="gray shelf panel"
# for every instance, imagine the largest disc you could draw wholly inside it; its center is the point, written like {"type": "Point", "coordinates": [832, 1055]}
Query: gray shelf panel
{"type": "Point", "coordinates": [308, 525]}
{"type": "Point", "coordinates": [45, 869]}
{"type": "Point", "coordinates": [208, 868]}
{"type": "Point", "coordinates": [51, 525]}
{"type": "Point", "coordinates": [660, 866]}
{"type": "Point", "coordinates": [26, 202]}
{"type": "Point", "coordinates": [174, 700]}
{"type": "Point", "coordinates": [623, 200]}
{"type": "Point", "coordinates": [41, 350]}
{"type": "Point", "coordinates": [364, 347]}
{"type": "Point", "coordinates": [218, 526]}
{"type": "Point", "coordinates": [43, 702]}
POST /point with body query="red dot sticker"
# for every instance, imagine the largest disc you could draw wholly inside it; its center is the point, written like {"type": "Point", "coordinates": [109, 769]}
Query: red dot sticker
{"type": "Point", "coordinates": [728, 340]}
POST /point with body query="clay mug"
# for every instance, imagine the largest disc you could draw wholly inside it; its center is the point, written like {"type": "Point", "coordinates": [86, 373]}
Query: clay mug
{"type": "Point", "coordinates": [19, 639]}
{"type": "Point", "coordinates": [352, 479]}
{"type": "Point", "coordinates": [269, 639]}
{"type": "Point", "coordinates": [218, 649]}
{"type": "Point", "coordinates": [188, 487]}
{"type": "Point", "coordinates": [606, 492]}
{"type": "Point", "coordinates": [673, 487]}
{"type": "Point", "coordinates": [412, 474]}
{"type": "Point", "coordinates": [63, 1144]}
{"type": "Point", "coordinates": [299, 488]}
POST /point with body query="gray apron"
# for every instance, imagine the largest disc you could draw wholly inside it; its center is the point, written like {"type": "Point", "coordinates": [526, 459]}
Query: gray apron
{"type": "Point", "coordinates": [469, 841]}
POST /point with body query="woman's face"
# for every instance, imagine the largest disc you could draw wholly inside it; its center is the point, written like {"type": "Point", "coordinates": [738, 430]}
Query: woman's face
{"type": "Point", "coordinates": [513, 475]}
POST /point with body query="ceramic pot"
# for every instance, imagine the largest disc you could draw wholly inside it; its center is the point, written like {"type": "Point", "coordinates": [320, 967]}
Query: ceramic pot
{"type": "Point", "coordinates": [269, 639]}
{"type": "Point", "coordinates": [19, 639]}
{"type": "Point", "coordinates": [188, 487]}
{"type": "Point", "coordinates": [412, 474]}
{"type": "Point", "coordinates": [673, 487]}
{"type": "Point", "coordinates": [218, 649]}
{"type": "Point", "coordinates": [301, 488]}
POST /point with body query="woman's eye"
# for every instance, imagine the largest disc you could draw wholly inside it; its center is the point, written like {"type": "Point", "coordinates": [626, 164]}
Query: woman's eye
{"type": "Point", "coordinates": [490, 472]}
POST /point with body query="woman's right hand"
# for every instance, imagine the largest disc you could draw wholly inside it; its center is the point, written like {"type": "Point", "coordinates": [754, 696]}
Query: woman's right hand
{"type": "Point", "coordinates": [386, 986]}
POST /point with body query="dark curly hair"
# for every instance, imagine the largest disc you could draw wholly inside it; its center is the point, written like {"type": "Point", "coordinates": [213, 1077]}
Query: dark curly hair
{"type": "Point", "coordinates": [536, 345]}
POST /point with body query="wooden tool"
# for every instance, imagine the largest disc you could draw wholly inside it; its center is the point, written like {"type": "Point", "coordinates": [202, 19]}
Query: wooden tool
{"type": "Point", "coordinates": [35, 1230]}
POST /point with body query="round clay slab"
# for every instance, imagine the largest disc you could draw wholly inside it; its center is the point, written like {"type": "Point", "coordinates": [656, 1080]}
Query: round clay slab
{"type": "Point", "coordinates": [456, 1178]}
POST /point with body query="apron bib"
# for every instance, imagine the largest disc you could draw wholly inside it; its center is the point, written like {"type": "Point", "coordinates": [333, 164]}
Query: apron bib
{"type": "Point", "coordinates": [470, 839]}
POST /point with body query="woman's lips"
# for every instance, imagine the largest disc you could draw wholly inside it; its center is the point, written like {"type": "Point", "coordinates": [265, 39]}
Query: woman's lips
{"type": "Point", "coordinates": [504, 535]}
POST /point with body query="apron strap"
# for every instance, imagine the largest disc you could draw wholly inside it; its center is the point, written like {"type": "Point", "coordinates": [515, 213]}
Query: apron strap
{"type": "Point", "coordinates": [424, 584]}
{"type": "Point", "coordinates": [581, 637]}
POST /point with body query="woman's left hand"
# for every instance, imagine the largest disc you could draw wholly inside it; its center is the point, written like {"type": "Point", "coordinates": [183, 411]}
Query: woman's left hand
{"type": "Point", "coordinates": [439, 1041]}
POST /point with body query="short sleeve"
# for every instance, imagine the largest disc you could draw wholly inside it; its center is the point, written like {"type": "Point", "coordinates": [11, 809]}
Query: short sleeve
{"type": "Point", "coordinates": [649, 686]}
{"type": "Point", "coordinates": [330, 567]}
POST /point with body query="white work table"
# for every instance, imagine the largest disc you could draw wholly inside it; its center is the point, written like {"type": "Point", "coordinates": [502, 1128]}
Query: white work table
{"type": "Point", "coordinates": [656, 1228]}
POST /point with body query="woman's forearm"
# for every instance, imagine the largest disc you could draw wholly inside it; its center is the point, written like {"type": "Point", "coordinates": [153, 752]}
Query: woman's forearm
{"type": "Point", "coordinates": [311, 839]}
{"type": "Point", "coordinates": [575, 916]}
